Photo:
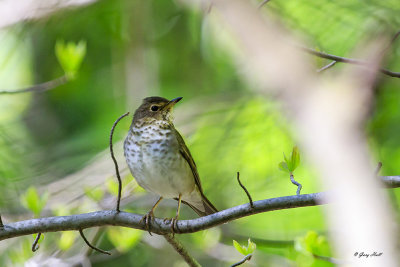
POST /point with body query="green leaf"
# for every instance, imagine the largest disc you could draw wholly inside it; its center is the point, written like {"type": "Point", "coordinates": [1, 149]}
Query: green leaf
{"type": "Point", "coordinates": [124, 238]}
{"type": "Point", "coordinates": [95, 194]}
{"type": "Point", "coordinates": [70, 56]}
{"type": "Point", "coordinates": [239, 248]}
{"type": "Point", "coordinates": [290, 164]}
{"type": "Point", "coordinates": [112, 186]}
{"type": "Point", "coordinates": [31, 200]}
{"type": "Point", "coordinates": [66, 240]}
{"type": "Point", "coordinates": [251, 246]}
{"type": "Point", "coordinates": [295, 158]}
{"type": "Point", "coordinates": [284, 167]}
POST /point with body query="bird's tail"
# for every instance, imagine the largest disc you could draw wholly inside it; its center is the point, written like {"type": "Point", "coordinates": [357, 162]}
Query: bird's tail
{"type": "Point", "coordinates": [208, 207]}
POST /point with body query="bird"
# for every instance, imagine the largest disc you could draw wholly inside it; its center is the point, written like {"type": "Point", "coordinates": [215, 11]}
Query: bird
{"type": "Point", "coordinates": [160, 161]}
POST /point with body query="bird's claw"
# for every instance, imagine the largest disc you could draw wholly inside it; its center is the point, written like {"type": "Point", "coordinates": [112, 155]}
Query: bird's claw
{"type": "Point", "coordinates": [147, 218]}
{"type": "Point", "coordinates": [174, 225]}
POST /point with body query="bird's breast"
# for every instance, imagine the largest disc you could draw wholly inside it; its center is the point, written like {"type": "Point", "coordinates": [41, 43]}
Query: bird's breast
{"type": "Point", "coordinates": [152, 154]}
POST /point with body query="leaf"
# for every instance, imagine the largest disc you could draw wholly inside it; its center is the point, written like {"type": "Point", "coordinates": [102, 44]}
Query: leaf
{"type": "Point", "coordinates": [95, 194]}
{"type": "Point", "coordinates": [66, 240]}
{"type": "Point", "coordinates": [295, 158]}
{"type": "Point", "coordinates": [112, 186]}
{"type": "Point", "coordinates": [124, 238]}
{"type": "Point", "coordinates": [70, 56]}
{"type": "Point", "coordinates": [239, 248]}
{"type": "Point", "coordinates": [251, 246]}
{"type": "Point", "coordinates": [284, 167]}
{"type": "Point", "coordinates": [31, 200]}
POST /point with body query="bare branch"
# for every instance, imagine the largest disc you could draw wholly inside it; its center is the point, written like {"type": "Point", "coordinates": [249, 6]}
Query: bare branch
{"type": "Point", "coordinates": [181, 250]}
{"type": "Point", "coordinates": [299, 186]}
{"type": "Point", "coordinates": [327, 66]}
{"type": "Point", "coordinates": [159, 226]}
{"type": "Point", "coordinates": [115, 161]}
{"type": "Point", "coordinates": [35, 245]}
{"type": "Point", "coordinates": [348, 60]}
{"type": "Point", "coordinates": [247, 258]}
{"type": "Point", "coordinates": [42, 87]}
{"type": "Point", "coordinates": [91, 246]}
{"type": "Point", "coordinates": [245, 190]}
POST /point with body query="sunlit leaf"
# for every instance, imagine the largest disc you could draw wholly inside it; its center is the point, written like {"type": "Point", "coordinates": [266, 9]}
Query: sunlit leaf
{"type": "Point", "coordinates": [239, 248]}
{"type": "Point", "coordinates": [112, 186]}
{"type": "Point", "coordinates": [31, 200]}
{"type": "Point", "coordinates": [66, 240]}
{"type": "Point", "coordinates": [284, 167]}
{"type": "Point", "coordinates": [70, 56]}
{"type": "Point", "coordinates": [95, 194]}
{"type": "Point", "coordinates": [123, 238]}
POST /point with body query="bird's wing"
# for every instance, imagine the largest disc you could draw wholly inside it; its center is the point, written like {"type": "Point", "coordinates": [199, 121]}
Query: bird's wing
{"type": "Point", "coordinates": [183, 149]}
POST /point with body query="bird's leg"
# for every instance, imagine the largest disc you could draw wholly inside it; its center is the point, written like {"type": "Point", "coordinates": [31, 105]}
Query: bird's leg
{"type": "Point", "coordinates": [150, 216]}
{"type": "Point", "coordinates": [175, 220]}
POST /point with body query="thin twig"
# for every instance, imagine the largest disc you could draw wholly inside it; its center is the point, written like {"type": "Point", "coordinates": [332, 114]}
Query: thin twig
{"type": "Point", "coordinates": [299, 186]}
{"type": "Point", "coordinates": [247, 258]}
{"type": "Point", "coordinates": [181, 250]}
{"type": "Point", "coordinates": [115, 161]}
{"type": "Point", "coordinates": [91, 246]}
{"type": "Point", "coordinates": [35, 245]}
{"type": "Point", "coordinates": [391, 42]}
{"type": "Point", "coordinates": [327, 66]}
{"type": "Point", "coordinates": [42, 87]}
{"type": "Point", "coordinates": [378, 168]}
{"type": "Point", "coordinates": [1, 223]}
{"type": "Point", "coordinates": [263, 3]}
{"type": "Point", "coordinates": [245, 190]}
{"type": "Point", "coordinates": [347, 60]}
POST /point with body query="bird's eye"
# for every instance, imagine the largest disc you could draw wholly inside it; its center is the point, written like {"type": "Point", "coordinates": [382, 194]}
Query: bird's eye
{"type": "Point", "coordinates": [154, 108]}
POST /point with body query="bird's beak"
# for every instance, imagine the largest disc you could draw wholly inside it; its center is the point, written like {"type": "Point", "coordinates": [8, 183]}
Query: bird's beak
{"type": "Point", "coordinates": [172, 102]}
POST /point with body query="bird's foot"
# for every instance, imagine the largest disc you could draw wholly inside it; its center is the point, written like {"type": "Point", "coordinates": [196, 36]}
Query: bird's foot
{"type": "Point", "coordinates": [147, 219]}
{"type": "Point", "coordinates": [174, 225]}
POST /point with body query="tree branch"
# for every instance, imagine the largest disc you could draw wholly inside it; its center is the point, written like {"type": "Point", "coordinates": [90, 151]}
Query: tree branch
{"type": "Point", "coordinates": [347, 60]}
{"type": "Point", "coordinates": [159, 226]}
{"type": "Point", "coordinates": [42, 87]}
{"type": "Point", "coordinates": [131, 220]}
{"type": "Point", "coordinates": [181, 250]}
{"type": "Point", "coordinates": [246, 258]}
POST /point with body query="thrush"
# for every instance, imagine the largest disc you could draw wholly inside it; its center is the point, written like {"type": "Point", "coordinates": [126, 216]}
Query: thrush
{"type": "Point", "coordinates": [160, 161]}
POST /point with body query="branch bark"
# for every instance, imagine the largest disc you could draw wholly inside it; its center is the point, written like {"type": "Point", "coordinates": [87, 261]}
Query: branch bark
{"type": "Point", "coordinates": [131, 220]}
{"type": "Point", "coordinates": [159, 226]}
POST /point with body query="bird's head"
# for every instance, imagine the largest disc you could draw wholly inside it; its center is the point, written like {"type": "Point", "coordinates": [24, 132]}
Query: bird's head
{"type": "Point", "coordinates": [155, 108]}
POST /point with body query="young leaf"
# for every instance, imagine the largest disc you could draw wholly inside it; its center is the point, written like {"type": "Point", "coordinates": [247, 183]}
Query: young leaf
{"type": "Point", "coordinates": [295, 158]}
{"type": "Point", "coordinates": [251, 246]}
{"type": "Point", "coordinates": [31, 200]}
{"type": "Point", "coordinates": [239, 248]}
{"type": "Point", "coordinates": [95, 194]}
{"type": "Point", "coordinates": [70, 56]}
{"type": "Point", "coordinates": [284, 167]}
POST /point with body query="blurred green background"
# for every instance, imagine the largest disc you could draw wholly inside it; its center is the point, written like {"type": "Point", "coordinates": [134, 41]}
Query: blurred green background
{"type": "Point", "coordinates": [168, 48]}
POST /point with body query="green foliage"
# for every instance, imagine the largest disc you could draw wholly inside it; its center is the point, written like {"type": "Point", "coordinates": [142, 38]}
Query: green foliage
{"type": "Point", "coordinates": [31, 200]}
{"type": "Point", "coordinates": [309, 245]}
{"type": "Point", "coordinates": [112, 186]}
{"type": "Point", "coordinates": [66, 240]}
{"type": "Point", "coordinates": [70, 56]}
{"type": "Point", "coordinates": [291, 163]}
{"type": "Point", "coordinates": [245, 250]}
{"type": "Point", "coordinates": [95, 194]}
{"type": "Point", "coordinates": [123, 239]}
